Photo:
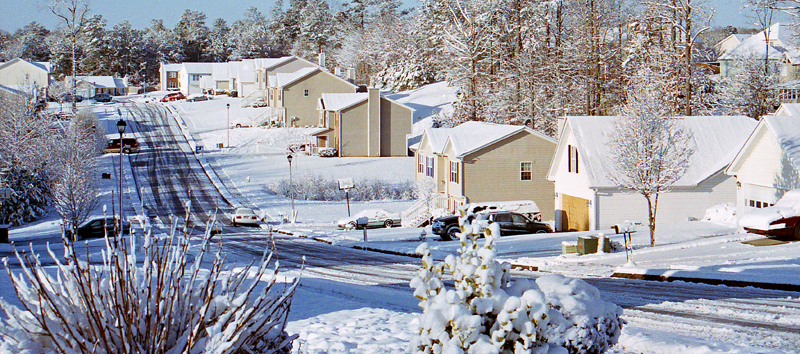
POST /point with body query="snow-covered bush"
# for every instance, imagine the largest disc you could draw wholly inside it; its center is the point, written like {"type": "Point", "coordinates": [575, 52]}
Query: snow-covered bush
{"type": "Point", "coordinates": [725, 213]}
{"type": "Point", "coordinates": [488, 313]}
{"type": "Point", "coordinates": [168, 297]}
{"type": "Point", "coordinates": [29, 195]}
{"type": "Point", "coordinates": [317, 187]}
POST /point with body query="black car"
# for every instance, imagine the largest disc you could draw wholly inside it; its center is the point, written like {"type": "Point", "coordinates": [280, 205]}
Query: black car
{"type": "Point", "coordinates": [102, 97]}
{"type": "Point", "coordinates": [96, 228]}
{"type": "Point", "coordinates": [511, 223]}
{"type": "Point", "coordinates": [67, 97]}
{"type": "Point", "coordinates": [446, 227]}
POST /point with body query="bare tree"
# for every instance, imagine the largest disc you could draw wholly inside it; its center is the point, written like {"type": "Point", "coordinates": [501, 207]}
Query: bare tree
{"type": "Point", "coordinates": [650, 149]}
{"type": "Point", "coordinates": [73, 15]}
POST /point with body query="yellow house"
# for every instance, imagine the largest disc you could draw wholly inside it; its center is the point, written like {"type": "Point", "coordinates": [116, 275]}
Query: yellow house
{"type": "Point", "coordinates": [19, 74]}
{"type": "Point", "coordinates": [483, 162]}
{"type": "Point", "coordinates": [364, 124]}
{"type": "Point", "coordinates": [296, 94]}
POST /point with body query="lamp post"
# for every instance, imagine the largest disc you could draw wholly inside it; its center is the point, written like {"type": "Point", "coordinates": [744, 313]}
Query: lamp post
{"type": "Point", "coordinates": [121, 129]}
{"type": "Point", "coordinates": [291, 185]}
{"type": "Point", "coordinates": [229, 127]}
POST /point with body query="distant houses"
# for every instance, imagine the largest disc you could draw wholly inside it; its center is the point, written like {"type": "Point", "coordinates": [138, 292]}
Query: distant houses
{"type": "Point", "coordinates": [18, 76]}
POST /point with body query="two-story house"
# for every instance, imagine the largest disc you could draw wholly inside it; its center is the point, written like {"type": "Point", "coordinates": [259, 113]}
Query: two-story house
{"type": "Point", "coordinates": [17, 75]}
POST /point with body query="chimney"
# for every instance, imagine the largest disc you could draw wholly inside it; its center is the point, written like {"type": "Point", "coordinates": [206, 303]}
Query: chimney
{"type": "Point", "coordinates": [351, 75]}
{"type": "Point", "coordinates": [322, 59]}
{"type": "Point", "coordinates": [337, 71]}
{"type": "Point", "coordinates": [374, 122]}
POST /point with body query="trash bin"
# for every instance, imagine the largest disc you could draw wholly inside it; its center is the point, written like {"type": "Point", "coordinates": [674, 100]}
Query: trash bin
{"type": "Point", "coordinates": [568, 247]}
{"type": "Point", "coordinates": [587, 245]}
{"type": "Point", "coordinates": [4, 233]}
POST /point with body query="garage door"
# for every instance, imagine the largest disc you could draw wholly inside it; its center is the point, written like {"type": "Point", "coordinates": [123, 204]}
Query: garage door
{"type": "Point", "coordinates": [575, 213]}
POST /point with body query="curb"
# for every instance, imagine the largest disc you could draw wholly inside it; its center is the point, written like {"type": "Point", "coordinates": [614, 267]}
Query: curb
{"type": "Point", "coordinates": [726, 282]}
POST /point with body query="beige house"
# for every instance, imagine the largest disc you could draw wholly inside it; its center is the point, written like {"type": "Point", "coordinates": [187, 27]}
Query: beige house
{"type": "Point", "coordinates": [587, 198]}
{"type": "Point", "coordinates": [88, 86]}
{"type": "Point", "coordinates": [768, 165]}
{"type": "Point", "coordinates": [18, 74]}
{"type": "Point", "coordinates": [364, 124]}
{"type": "Point", "coordinates": [483, 162]}
{"type": "Point", "coordinates": [296, 94]}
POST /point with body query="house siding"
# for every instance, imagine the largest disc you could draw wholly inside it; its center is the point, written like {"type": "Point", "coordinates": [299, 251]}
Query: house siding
{"type": "Point", "coordinates": [570, 183]}
{"type": "Point", "coordinates": [16, 74]}
{"type": "Point", "coordinates": [396, 122]}
{"type": "Point", "coordinates": [499, 165]}
{"type": "Point", "coordinates": [305, 107]}
{"type": "Point", "coordinates": [615, 206]}
{"type": "Point", "coordinates": [353, 123]}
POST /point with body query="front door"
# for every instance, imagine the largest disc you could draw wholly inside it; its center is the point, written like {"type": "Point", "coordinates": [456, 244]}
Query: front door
{"type": "Point", "coordinates": [575, 213]}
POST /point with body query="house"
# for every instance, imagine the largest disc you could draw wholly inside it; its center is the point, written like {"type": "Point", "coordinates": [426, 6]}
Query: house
{"type": "Point", "coordinates": [296, 94]}
{"type": "Point", "coordinates": [484, 162]}
{"type": "Point", "coordinates": [726, 45]}
{"type": "Point", "coordinates": [586, 198]}
{"type": "Point", "coordinates": [364, 124]}
{"type": "Point", "coordinates": [88, 86]}
{"type": "Point", "coordinates": [776, 43]}
{"type": "Point", "coordinates": [183, 77]}
{"type": "Point", "coordinates": [768, 164]}
{"type": "Point", "coordinates": [17, 75]}
{"type": "Point", "coordinates": [168, 74]}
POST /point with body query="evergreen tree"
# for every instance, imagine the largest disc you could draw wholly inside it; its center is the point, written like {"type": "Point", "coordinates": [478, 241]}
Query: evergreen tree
{"type": "Point", "coordinates": [193, 35]}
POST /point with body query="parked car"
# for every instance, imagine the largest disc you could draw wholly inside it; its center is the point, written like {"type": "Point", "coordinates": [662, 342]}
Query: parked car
{"type": "Point", "coordinates": [375, 218]}
{"type": "Point", "coordinates": [447, 226]}
{"type": "Point", "coordinates": [129, 145]}
{"type": "Point", "coordinates": [102, 97]}
{"type": "Point", "coordinates": [67, 97]}
{"type": "Point", "coordinates": [196, 97]}
{"type": "Point", "coordinates": [781, 219]}
{"type": "Point", "coordinates": [98, 228]}
{"type": "Point", "coordinates": [244, 216]}
{"type": "Point", "coordinates": [510, 223]}
{"type": "Point", "coordinates": [173, 97]}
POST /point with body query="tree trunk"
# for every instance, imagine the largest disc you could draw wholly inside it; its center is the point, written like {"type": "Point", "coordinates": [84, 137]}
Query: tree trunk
{"type": "Point", "coordinates": [652, 208]}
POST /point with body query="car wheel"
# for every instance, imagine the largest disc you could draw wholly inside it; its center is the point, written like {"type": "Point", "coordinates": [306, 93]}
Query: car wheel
{"type": "Point", "coordinates": [352, 225]}
{"type": "Point", "coordinates": [451, 233]}
{"type": "Point", "coordinates": [797, 231]}
{"type": "Point", "coordinates": [238, 126]}
{"type": "Point", "coordinates": [126, 150]}
{"type": "Point", "coordinates": [541, 231]}
{"type": "Point", "coordinates": [387, 224]}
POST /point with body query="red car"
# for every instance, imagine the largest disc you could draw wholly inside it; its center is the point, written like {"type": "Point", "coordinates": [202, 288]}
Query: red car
{"type": "Point", "coordinates": [781, 219]}
{"type": "Point", "coordinates": [173, 97]}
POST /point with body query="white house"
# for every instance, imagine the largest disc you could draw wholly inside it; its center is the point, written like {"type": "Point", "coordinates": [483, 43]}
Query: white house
{"type": "Point", "coordinates": [768, 165]}
{"type": "Point", "coordinates": [778, 43]}
{"type": "Point", "coordinates": [18, 73]}
{"type": "Point", "coordinates": [587, 199]}
{"type": "Point", "coordinates": [726, 45]}
{"type": "Point", "coordinates": [88, 86]}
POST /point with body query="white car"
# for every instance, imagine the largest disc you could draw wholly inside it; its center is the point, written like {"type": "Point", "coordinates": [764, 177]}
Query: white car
{"type": "Point", "coordinates": [375, 218]}
{"type": "Point", "coordinates": [196, 97]}
{"type": "Point", "coordinates": [244, 216]}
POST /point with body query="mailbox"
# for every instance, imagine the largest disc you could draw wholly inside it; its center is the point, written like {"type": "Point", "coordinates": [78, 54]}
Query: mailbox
{"type": "Point", "coordinates": [362, 222]}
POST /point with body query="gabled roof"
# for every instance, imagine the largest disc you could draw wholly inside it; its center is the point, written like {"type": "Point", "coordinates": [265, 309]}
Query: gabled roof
{"type": "Point", "coordinates": [786, 132]}
{"type": "Point", "coordinates": [43, 65]}
{"type": "Point", "coordinates": [788, 109]}
{"type": "Point", "coordinates": [103, 81]}
{"type": "Point", "coordinates": [284, 79]}
{"type": "Point", "coordinates": [470, 137]}
{"type": "Point", "coordinates": [339, 101]}
{"type": "Point", "coordinates": [198, 68]}
{"type": "Point", "coordinates": [781, 44]}
{"type": "Point", "coordinates": [715, 139]}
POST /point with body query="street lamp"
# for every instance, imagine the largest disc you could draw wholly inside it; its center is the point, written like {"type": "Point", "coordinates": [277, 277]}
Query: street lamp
{"type": "Point", "coordinates": [291, 185]}
{"type": "Point", "coordinates": [229, 127]}
{"type": "Point", "coordinates": [121, 129]}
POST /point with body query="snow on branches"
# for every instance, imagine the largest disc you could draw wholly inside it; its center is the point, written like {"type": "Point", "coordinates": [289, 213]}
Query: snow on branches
{"type": "Point", "coordinates": [161, 296]}
{"type": "Point", "coordinates": [487, 313]}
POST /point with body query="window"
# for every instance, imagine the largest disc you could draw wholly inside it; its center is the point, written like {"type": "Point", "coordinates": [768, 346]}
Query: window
{"type": "Point", "coordinates": [758, 204]}
{"type": "Point", "coordinates": [525, 169]}
{"type": "Point", "coordinates": [573, 159]}
{"type": "Point", "coordinates": [305, 93]}
{"type": "Point", "coordinates": [420, 163]}
{"type": "Point", "coordinates": [429, 166]}
{"type": "Point", "coordinates": [454, 172]}
{"type": "Point", "coordinates": [172, 85]}
{"type": "Point", "coordinates": [172, 74]}
{"type": "Point", "coordinates": [194, 77]}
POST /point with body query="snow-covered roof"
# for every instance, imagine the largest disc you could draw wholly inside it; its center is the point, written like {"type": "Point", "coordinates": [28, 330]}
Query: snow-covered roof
{"type": "Point", "coordinates": [46, 66]}
{"type": "Point", "coordinates": [470, 137]}
{"type": "Point", "coordinates": [103, 81]}
{"type": "Point", "coordinates": [220, 71]}
{"type": "Point", "coordinates": [716, 140]}
{"type": "Point", "coordinates": [787, 133]}
{"type": "Point", "coordinates": [198, 68]}
{"type": "Point", "coordinates": [781, 43]}
{"type": "Point", "coordinates": [284, 79]}
{"type": "Point", "coordinates": [171, 67]}
{"type": "Point", "coordinates": [788, 109]}
{"type": "Point", "coordinates": [340, 101]}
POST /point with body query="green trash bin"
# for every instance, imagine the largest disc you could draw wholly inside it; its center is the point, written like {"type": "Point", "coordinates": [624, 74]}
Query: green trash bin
{"type": "Point", "coordinates": [587, 245]}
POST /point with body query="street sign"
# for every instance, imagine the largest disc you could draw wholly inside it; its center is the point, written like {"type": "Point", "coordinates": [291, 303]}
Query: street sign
{"type": "Point", "coordinates": [346, 183]}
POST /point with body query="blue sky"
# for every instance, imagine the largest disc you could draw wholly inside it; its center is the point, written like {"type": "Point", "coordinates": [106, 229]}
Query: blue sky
{"type": "Point", "coordinates": [18, 13]}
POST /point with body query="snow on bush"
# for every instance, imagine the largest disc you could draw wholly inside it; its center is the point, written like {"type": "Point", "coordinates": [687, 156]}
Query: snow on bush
{"type": "Point", "coordinates": [316, 187]}
{"type": "Point", "coordinates": [487, 313]}
{"type": "Point", "coordinates": [167, 301]}
{"type": "Point", "coordinates": [29, 196]}
{"type": "Point", "coordinates": [725, 213]}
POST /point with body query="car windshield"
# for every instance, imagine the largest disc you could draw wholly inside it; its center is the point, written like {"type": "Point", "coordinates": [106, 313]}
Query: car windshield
{"type": "Point", "coordinates": [244, 211]}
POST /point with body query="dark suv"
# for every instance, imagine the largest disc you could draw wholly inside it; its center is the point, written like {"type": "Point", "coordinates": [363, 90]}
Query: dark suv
{"type": "Point", "coordinates": [510, 223]}
{"type": "Point", "coordinates": [98, 228]}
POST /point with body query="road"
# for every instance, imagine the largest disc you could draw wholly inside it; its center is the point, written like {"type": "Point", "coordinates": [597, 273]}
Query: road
{"type": "Point", "coordinates": [746, 316]}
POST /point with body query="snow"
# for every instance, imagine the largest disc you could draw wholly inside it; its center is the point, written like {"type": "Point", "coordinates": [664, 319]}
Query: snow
{"type": "Point", "coordinates": [760, 219]}
{"type": "Point", "coordinates": [785, 130]}
{"type": "Point", "coordinates": [329, 322]}
{"type": "Point", "coordinates": [716, 141]}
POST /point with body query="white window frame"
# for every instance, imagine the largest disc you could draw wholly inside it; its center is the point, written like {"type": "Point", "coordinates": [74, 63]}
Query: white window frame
{"type": "Point", "coordinates": [523, 170]}
{"type": "Point", "coordinates": [454, 172]}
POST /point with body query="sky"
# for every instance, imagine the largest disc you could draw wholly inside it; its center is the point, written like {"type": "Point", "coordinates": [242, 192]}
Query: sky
{"type": "Point", "coordinates": [140, 13]}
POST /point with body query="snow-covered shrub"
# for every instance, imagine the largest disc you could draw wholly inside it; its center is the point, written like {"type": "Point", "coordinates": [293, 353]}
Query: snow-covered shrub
{"type": "Point", "coordinates": [328, 152]}
{"type": "Point", "coordinates": [29, 196]}
{"type": "Point", "coordinates": [161, 299]}
{"type": "Point", "coordinates": [488, 313]}
{"type": "Point", "coordinates": [317, 187]}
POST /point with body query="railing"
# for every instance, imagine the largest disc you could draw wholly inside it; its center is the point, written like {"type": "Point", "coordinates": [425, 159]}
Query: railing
{"type": "Point", "coordinates": [253, 98]}
{"type": "Point", "coordinates": [419, 212]}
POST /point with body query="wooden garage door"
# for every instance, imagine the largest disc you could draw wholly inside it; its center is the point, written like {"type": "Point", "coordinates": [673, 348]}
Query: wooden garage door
{"type": "Point", "coordinates": [575, 215]}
